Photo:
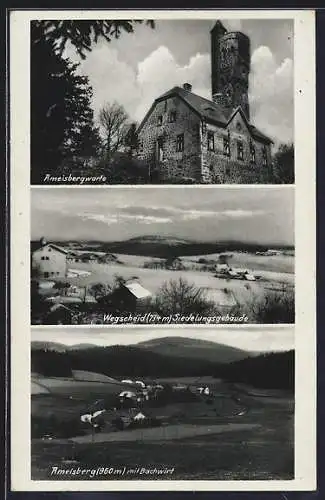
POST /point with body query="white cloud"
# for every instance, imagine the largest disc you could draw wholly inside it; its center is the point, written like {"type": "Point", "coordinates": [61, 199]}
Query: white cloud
{"type": "Point", "coordinates": [270, 91]}
{"type": "Point", "coordinates": [160, 71]}
{"type": "Point", "coordinates": [271, 94]}
{"type": "Point", "coordinates": [239, 214]}
{"type": "Point", "coordinates": [120, 217]}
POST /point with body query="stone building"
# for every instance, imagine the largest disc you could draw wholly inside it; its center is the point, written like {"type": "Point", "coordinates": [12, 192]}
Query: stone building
{"type": "Point", "coordinates": [184, 136]}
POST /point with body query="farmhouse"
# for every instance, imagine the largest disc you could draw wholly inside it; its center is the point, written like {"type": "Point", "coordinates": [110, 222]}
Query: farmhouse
{"type": "Point", "coordinates": [49, 260]}
{"type": "Point", "coordinates": [185, 136]}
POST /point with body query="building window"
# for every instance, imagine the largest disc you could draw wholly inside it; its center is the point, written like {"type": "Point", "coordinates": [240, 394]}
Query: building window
{"type": "Point", "coordinates": [252, 153]}
{"type": "Point", "coordinates": [210, 141]}
{"type": "Point", "coordinates": [226, 146]}
{"type": "Point", "coordinates": [172, 116]}
{"type": "Point", "coordinates": [160, 151]}
{"type": "Point", "coordinates": [180, 143]}
{"type": "Point", "coordinates": [240, 151]}
{"type": "Point", "coordinates": [160, 120]}
{"type": "Point", "coordinates": [264, 156]}
{"type": "Point", "coordinates": [165, 106]}
{"type": "Point", "coordinates": [42, 258]}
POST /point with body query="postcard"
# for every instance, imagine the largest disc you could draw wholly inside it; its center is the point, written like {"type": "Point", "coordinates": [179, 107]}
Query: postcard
{"type": "Point", "coordinates": [163, 269]}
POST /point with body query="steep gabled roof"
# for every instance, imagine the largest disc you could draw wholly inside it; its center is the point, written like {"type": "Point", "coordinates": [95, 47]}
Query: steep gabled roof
{"type": "Point", "coordinates": [253, 130]}
{"type": "Point", "coordinates": [36, 246]}
{"type": "Point", "coordinates": [138, 290]}
{"type": "Point", "coordinates": [259, 135]}
{"type": "Point", "coordinates": [206, 109]}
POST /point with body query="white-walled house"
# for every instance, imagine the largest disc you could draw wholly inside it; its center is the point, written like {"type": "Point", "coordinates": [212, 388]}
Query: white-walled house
{"type": "Point", "coordinates": [49, 261]}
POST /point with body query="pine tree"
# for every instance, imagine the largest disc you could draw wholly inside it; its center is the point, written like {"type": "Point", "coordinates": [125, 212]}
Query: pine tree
{"type": "Point", "coordinates": [62, 122]}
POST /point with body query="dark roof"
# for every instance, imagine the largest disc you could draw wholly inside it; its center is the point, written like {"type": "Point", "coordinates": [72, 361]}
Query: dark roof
{"type": "Point", "coordinates": [258, 134]}
{"type": "Point", "coordinates": [35, 245]}
{"type": "Point", "coordinates": [206, 109]}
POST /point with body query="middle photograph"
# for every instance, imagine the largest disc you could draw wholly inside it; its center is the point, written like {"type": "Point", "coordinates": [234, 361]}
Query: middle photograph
{"type": "Point", "coordinates": [146, 255]}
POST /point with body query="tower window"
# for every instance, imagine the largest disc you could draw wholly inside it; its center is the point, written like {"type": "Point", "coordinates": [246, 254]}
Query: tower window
{"type": "Point", "coordinates": [252, 153]}
{"type": "Point", "coordinates": [264, 153]}
{"type": "Point", "coordinates": [172, 116]}
{"type": "Point", "coordinates": [180, 143]}
{"type": "Point", "coordinates": [210, 141]}
{"type": "Point", "coordinates": [240, 150]}
{"type": "Point", "coordinates": [226, 146]}
{"type": "Point", "coordinates": [160, 119]}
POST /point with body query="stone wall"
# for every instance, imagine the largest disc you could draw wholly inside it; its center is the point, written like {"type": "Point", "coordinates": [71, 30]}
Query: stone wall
{"type": "Point", "coordinates": [174, 164]}
{"type": "Point", "coordinates": [196, 161]}
{"type": "Point", "coordinates": [221, 169]}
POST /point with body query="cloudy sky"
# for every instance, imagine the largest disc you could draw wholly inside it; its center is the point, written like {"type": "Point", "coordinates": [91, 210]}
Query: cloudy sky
{"type": "Point", "coordinates": [263, 215]}
{"type": "Point", "coordinates": [246, 338]}
{"type": "Point", "coordinates": [139, 67]}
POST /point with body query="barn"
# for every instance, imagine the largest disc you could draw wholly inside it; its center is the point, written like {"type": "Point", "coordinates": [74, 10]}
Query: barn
{"type": "Point", "coordinates": [131, 297]}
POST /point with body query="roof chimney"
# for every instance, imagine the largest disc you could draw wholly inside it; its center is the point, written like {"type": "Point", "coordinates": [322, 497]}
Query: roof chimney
{"type": "Point", "coordinates": [188, 87]}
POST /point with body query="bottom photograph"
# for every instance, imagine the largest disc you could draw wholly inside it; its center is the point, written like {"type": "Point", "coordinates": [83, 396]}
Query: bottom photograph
{"type": "Point", "coordinates": [194, 403]}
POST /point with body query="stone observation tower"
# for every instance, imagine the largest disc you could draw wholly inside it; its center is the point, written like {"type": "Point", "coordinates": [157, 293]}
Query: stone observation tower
{"type": "Point", "coordinates": [230, 67]}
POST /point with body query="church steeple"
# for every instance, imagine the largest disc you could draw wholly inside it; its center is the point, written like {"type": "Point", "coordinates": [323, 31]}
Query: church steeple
{"type": "Point", "coordinates": [230, 67]}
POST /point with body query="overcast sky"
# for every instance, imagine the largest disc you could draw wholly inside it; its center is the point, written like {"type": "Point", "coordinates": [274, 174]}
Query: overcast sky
{"type": "Point", "coordinates": [246, 338]}
{"type": "Point", "coordinates": [263, 215]}
{"type": "Point", "coordinates": [139, 67]}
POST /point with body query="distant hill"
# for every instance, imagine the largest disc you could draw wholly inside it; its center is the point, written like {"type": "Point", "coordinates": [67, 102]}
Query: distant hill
{"type": "Point", "coordinates": [167, 246]}
{"type": "Point", "coordinates": [194, 348]}
{"type": "Point", "coordinates": [77, 347]}
{"type": "Point", "coordinates": [268, 370]}
{"type": "Point", "coordinates": [118, 361]}
{"type": "Point", "coordinates": [56, 346]}
{"type": "Point", "coordinates": [49, 346]}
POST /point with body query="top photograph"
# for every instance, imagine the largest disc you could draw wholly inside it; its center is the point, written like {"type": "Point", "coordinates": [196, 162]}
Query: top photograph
{"type": "Point", "coordinates": [163, 101]}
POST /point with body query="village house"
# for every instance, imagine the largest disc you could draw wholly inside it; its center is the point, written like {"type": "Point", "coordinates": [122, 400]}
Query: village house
{"type": "Point", "coordinates": [187, 137]}
{"type": "Point", "coordinates": [131, 297]}
{"type": "Point", "coordinates": [48, 260]}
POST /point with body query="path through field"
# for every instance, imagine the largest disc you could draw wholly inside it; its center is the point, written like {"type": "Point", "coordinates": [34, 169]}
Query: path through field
{"type": "Point", "coordinates": [164, 433]}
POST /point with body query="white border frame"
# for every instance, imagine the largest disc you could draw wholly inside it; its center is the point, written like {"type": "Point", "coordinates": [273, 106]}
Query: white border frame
{"type": "Point", "coordinates": [305, 224]}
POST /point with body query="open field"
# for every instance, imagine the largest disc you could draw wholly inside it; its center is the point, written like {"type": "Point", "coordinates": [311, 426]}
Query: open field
{"type": "Point", "coordinates": [275, 263]}
{"type": "Point", "coordinates": [170, 432]}
{"type": "Point", "coordinates": [153, 279]}
{"type": "Point", "coordinates": [240, 435]}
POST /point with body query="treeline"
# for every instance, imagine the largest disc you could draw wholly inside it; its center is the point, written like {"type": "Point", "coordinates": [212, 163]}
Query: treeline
{"type": "Point", "coordinates": [117, 361]}
{"type": "Point", "coordinates": [273, 371]}
{"type": "Point", "coordinates": [269, 371]}
{"type": "Point", "coordinates": [164, 249]}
